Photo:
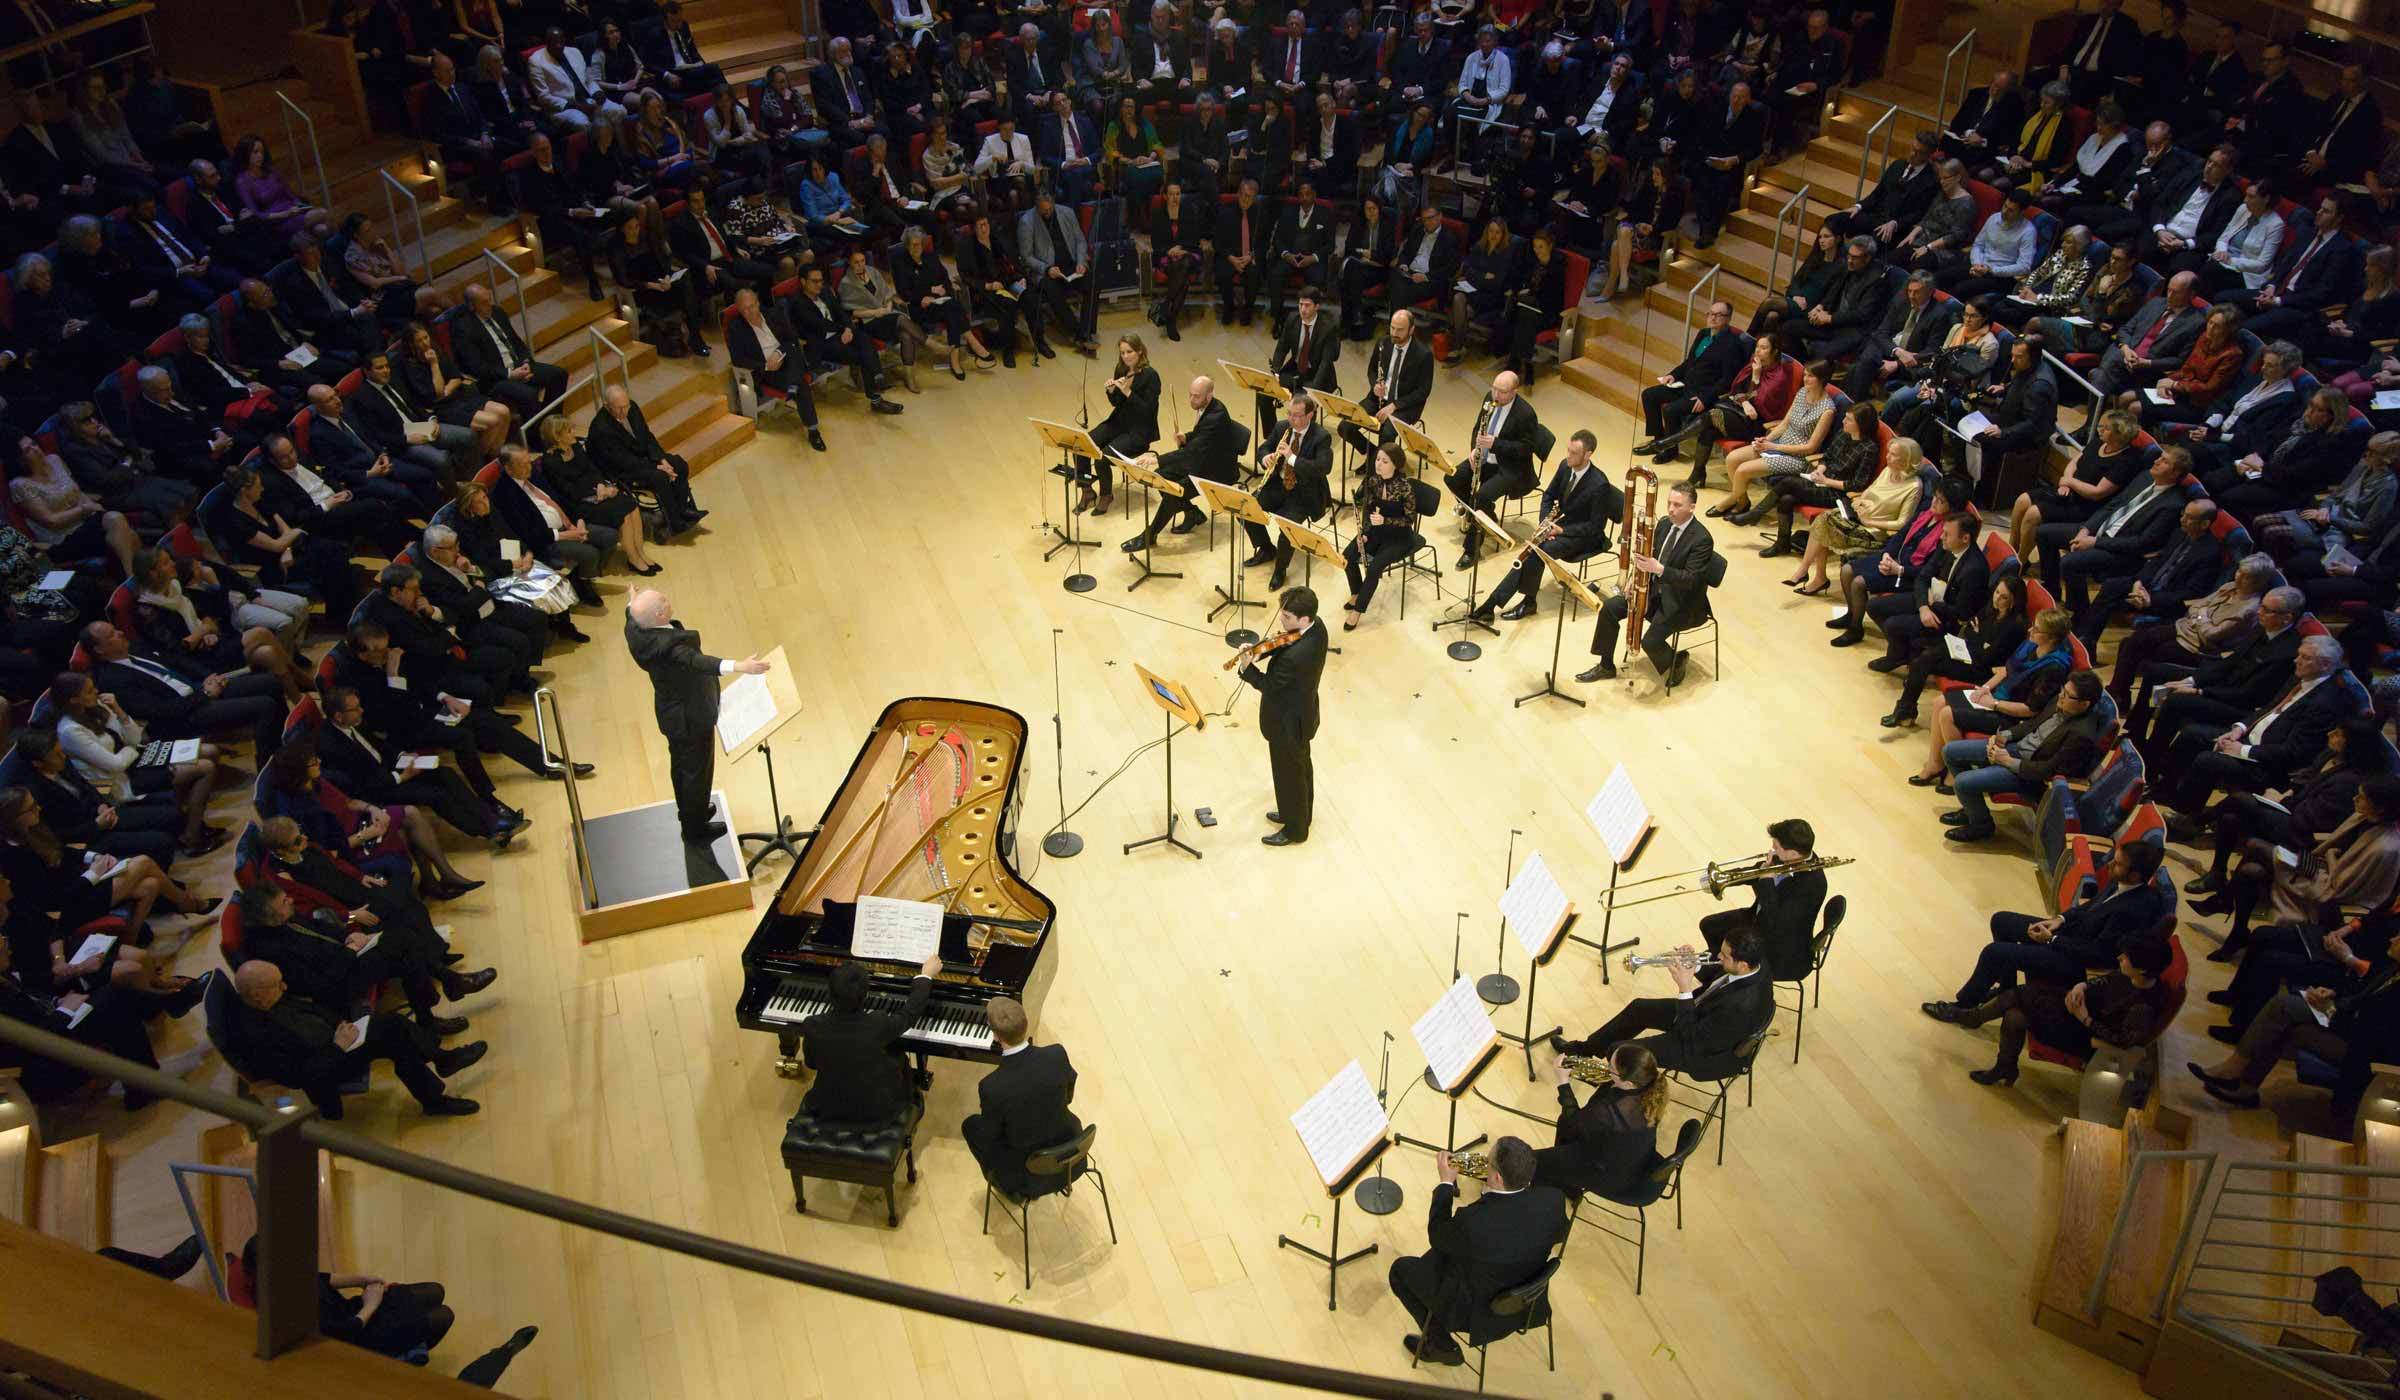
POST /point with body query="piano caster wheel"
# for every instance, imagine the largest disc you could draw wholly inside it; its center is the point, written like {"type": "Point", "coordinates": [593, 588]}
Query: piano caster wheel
{"type": "Point", "coordinates": [787, 1066]}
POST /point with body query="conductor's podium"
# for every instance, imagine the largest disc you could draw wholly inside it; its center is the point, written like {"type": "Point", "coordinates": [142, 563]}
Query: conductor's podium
{"type": "Point", "coordinates": [640, 873]}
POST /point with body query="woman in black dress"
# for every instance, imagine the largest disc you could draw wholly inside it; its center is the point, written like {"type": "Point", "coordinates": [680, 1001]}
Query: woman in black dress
{"type": "Point", "coordinates": [573, 477]}
{"type": "Point", "coordinates": [1991, 637]}
{"type": "Point", "coordinates": [261, 543]}
{"type": "Point", "coordinates": [1184, 224]}
{"type": "Point", "coordinates": [1535, 302]}
{"type": "Point", "coordinates": [2121, 1007]}
{"type": "Point", "coordinates": [643, 263]}
{"type": "Point", "coordinates": [1387, 529]}
{"type": "Point", "coordinates": [1130, 427]}
{"type": "Point", "coordinates": [988, 270]}
{"type": "Point", "coordinates": [432, 378]}
{"type": "Point", "coordinates": [1607, 1144]}
{"type": "Point", "coordinates": [922, 280]}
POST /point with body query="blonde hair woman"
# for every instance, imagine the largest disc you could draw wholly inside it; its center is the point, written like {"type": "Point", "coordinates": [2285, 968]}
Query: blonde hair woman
{"type": "Point", "coordinates": [1872, 517]}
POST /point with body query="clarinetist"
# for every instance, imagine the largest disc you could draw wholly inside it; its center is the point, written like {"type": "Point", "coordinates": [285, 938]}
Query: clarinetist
{"type": "Point", "coordinates": [1399, 381]}
{"type": "Point", "coordinates": [1576, 508]}
{"type": "Point", "coordinates": [1298, 461]}
{"type": "Point", "coordinates": [1499, 464]}
{"type": "Point", "coordinates": [1698, 1030]}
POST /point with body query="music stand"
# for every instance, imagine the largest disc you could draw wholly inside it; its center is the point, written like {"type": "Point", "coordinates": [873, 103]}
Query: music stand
{"type": "Point", "coordinates": [1071, 443]}
{"type": "Point", "coordinates": [1414, 442]}
{"type": "Point", "coordinates": [1176, 701]}
{"type": "Point", "coordinates": [1622, 818]}
{"type": "Point", "coordinates": [1331, 1124]}
{"type": "Point", "coordinates": [1241, 505]}
{"type": "Point", "coordinates": [1459, 1002]}
{"type": "Point", "coordinates": [1315, 543]}
{"type": "Point", "coordinates": [746, 728]}
{"type": "Point", "coordinates": [1573, 587]}
{"type": "Point", "coordinates": [1264, 386]}
{"type": "Point", "coordinates": [1341, 410]}
{"type": "Point", "coordinates": [1150, 481]}
{"type": "Point", "coordinates": [1464, 649]}
{"type": "Point", "coordinates": [1537, 911]}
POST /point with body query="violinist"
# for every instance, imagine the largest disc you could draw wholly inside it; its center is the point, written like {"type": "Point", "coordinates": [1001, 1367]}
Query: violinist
{"type": "Point", "coordinates": [1298, 461]}
{"type": "Point", "coordinates": [1287, 709]}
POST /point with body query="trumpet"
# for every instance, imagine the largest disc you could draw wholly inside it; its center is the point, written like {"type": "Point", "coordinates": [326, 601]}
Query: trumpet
{"type": "Point", "coordinates": [1635, 962]}
{"type": "Point", "coordinates": [1716, 878]}
{"type": "Point", "coordinates": [1475, 1164]}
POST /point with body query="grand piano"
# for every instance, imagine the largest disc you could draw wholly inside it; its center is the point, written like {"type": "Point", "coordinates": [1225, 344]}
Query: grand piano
{"type": "Point", "coordinates": [928, 812]}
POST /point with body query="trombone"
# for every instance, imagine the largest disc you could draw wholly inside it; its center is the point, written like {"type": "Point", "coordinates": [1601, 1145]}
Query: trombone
{"type": "Point", "coordinates": [1717, 878]}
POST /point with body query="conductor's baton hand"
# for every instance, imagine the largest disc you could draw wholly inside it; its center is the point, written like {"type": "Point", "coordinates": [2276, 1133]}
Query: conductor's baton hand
{"type": "Point", "coordinates": [752, 665]}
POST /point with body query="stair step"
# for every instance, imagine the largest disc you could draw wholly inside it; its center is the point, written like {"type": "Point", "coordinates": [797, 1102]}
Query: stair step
{"type": "Point", "coordinates": [715, 439]}
{"type": "Point", "coordinates": [71, 1196]}
{"type": "Point", "coordinates": [2092, 1183]}
{"type": "Point", "coordinates": [230, 1212]}
{"type": "Point", "coordinates": [2147, 1251]}
{"type": "Point", "coordinates": [657, 384]}
{"type": "Point", "coordinates": [459, 241]}
{"type": "Point", "coordinates": [574, 354]}
{"type": "Point", "coordinates": [519, 256]}
{"type": "Point", "coordinates": [1667, 297]}
{"type": "Point", "coordinates": [1609, 385]}
{"type": "Point", "coordinates": [358, 179]}
{"type": "Point", "coordinates": [715, 32]}
{"type": "Point", "coordinates": [748, 58]}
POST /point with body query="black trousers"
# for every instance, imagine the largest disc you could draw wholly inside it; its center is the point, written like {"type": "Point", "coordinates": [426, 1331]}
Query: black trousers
{"type": "Point", "coordinates": [1002, 1166]}
{"type": "Point", "coordinates": [1525, 576]}
{"type": "Point", "coordinates": [1640, 1015]}
{"type": "Point", "coordinates": [1664, 409]}
{"type": "Point", "coordinates": [1500, 483]}
{"type": "Point", "coordinates": [1416, 1282]}
{"type": "Point", "coordinates": [410, 1048]}
{"type": "Point", "coordinates": [1371, 552]}
{"type": "Point", "coordinates": [526, 397]}
{"type": "Point", "coordinates": [251, 702]}
{"type": "Point", "coordinates": [447, 794]}
{"type": "Point", "coordinates": [1658, 632]}
{"type": "Point", "coordinates": [1237, 288]}
{"type": "Point", "coordinates": [2009, 955]}
{"type": "Point", "coordinates": [1295, 782]}
{"type": "Point", "coordinates": [692, 767]}
{"type": "Point", "coordinates": [791, 380]}
{"type": "Point", "coordinates": [858, 354]}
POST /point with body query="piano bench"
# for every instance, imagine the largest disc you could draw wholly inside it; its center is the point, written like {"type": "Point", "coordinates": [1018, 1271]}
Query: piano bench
{"type": "Point", "coordinates": [866, 1154]}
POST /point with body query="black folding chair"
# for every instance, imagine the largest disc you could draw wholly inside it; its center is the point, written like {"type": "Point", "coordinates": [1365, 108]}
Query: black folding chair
{"type": "Point", "coordinates": [1664, 1181]}
{"type": "Point", "coordinates": [1818, 948]}
{"type": "Point", "coordinates": [1055, 1171]}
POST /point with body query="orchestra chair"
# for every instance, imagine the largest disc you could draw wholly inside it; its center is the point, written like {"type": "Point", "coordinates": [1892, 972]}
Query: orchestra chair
{"type": "Point", "coordinates": [1424, 559]}
{"type": "Point", "coordinates": [1664, 1181]}
{"type": "Point", "coordinates": [2116, 1077]}
{"type": "Point", "coordinates": [1056, 1168]}
{"type": "Point", "coordinates": [1512, 1312]}
{"type": "Point", "coordinates": [1720, 1105]}
{"type": "Point", "coordinates": [1819, 947]}
{"type": "Point", "coordinates": [864, 1154]}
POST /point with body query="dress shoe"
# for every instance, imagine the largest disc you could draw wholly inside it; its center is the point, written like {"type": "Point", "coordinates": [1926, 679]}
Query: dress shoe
{"type": "Point", "coordinates": [1675, 669]}
{"type": "Point", "coordinates": [1895, 720]}
{"type": "Point", "coordinates": [1172, 332]}
{"type": "Point", "coordinates": [559, 774]}
{"type": "Point", "coordinates": [2228, 951]}
{"type": "Point", "coordinates": [2184, 830]}
{"type": "Point", "coordinates": [2214, 1081]}
{"type": "Point", "coordinates": [1850, 637]}
{"type": "Point", "coordinates": [704, 833]}
{"type": "Point", "coordinates": [451, 1106]}
{"type": "Point", "coordinates": [1258, 557]}
{"type": "Point", "coordinates": [1453, 1355]}
{"type": "Point", "coordinates": [1663, 456]}
{"type": "Point", "coordinates": [885, 406]}
{"type": "Point", "coordinates": [1645, 447]}
{"type": "Point", "coordinates": [1965, 835]}
{"type": "Point", "coordinates": [1137, 544]}
{"type": "Point", "coordinates": [1275, 581]}
{"type": "Point", "coordinates": [585, 593]}
{"type": "Point", "coordinates": [2213, 905]}
{"type": "Point", "coordinates": [1557, 1043]}
{"type": "Point", "coordinates": [1749, 517]}
{"type": "Point", "coordinates": [458, 1059]}
{"type": "Point", "coordinates": [2221, 998]}
{"type": "Point", "coordinates": [1185, 524]}
{"type": "Point", "coordinates": [1885, 665]}
{"type": "Point", "coordinates": [445, 1026]}
{"type": "Point", "coordinates": [1722, 509]}
{"type": "Point", "coordinates": [1838, 624]}
{"type": "Point", "coordinates": [1777, 551]}
{"type": "Point", "coordinates": [1995, 1075]}
{"type": "Point", "coordinates": [1920, 780]}
{"type": "Point", "coordinates": [568, 630]}
{"type": "Point", "coordinates": [1954, 817]}
{"type": "Point", "coordinates": [1281, 838]}
{"type": "Point", "coordinates": [1042, 348]}
{"type": "Point", "coordinates": [459, 986]}
{"type": "Point", "coordinates": [1467, 558]}
{"type": "Point", "coordinates": [1520, 612]}
{"type": "Point", "coordinates": [2206, 884]}
{"type": "Point", "coordinates": [2241, 1097]}
{"type": "Point", "coordinates": [1276, 818]}
{"type": "Point", "coordinates": [1604, 671]}
{"type": "Point", "coordinates": [1944, 1011]}
{"type": "Point", "coordinates": [2226, 1034]}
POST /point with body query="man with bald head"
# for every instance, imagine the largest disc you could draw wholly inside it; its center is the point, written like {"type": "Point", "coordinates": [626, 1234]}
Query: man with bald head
{"type": "Point", "coordinates": [1212, 451]}
{"type": "Point", "coordinates": [491, 353]}
{"type": "Point", "coordinates": [1499, 464]}
{"type": "Point", "coordinates": [628, 453]}
{"type": "Point", "coordinates": [349, 451]}
{"type": "Point", "coordinates": [2153, 340]}
{"type": "Point", "coordinates": [683, 679]}
{"type": "Point", "coordinates": [280, 1035]}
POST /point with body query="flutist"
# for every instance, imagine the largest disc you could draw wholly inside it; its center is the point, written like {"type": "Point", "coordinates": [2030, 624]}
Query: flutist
{"type": "Point", "coordinates": [1298, 461]}
{"type": "Point", "coordinates": [1576, 508]}
{"type": "Point", "coordinates": [1698, 1030]}
{"type": "Point", "coordinates": [1130, 427]}
{"type": "Point", "coordinates": [1499, 463]}
{"type": "Point", "coordinates": [1783, 908]}
{"type": "Point", "coordinates": [1287, 710]}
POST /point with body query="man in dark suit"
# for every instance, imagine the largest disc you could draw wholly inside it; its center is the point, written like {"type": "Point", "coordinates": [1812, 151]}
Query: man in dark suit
{"type": "Point", "coordinates": [725, 263]}
{"type": "Point", "coordinates": [1899, 199]}
{"type": "Point", "coordinates": [1287, 713]}
{"type": "Point", "coordinates": [454, 585]}
{"type": "Point", "coordinates": [1303, 253]}
{"type": "Point", "coordinates": [1428, 263]}
{"type": "Point", "coordinates": [684, 681]}
{"type": "Point", "coordinates": [1851, 307]}
{"type": "Point", "coordinates": [1067, 146]}
{"type": "Point", "coordinates": [400, 426]}
{"type": "Point", "coordinates": [1950, 587]}
{"type": "Point", "coordinates": [1023, 1101]}
{"type": "Point", "coordinates": [1812, 65]}
{"type": "Point", "coordinates": [825, 327]}
{"type": "Point", "coordinates": [464, 135]}
{"type": "Point", "coordinates": [2265, 747]}
{"type": "Point", "coordinates": [233, 233]}
{"type": "Point", "coordinates": [350, 452]}
{"type": "Point", "coordinates": [1728, 138]}
{"type": "Point", "coordinates": [861, 1074]}
{"type": "Point", "coordinates": [266, 337]}
{"type": "Point", "coordinates": [1211, 451]}
{"type": "Point", "coordinates": [399, 716]}
{"type": "Point", "coordinates": [1399, 381]}
{"type": "Point", "coordinates": [2216, 82]}
{"type": "Point", "coordinates": [1783, 909]}
{"type": "Point", "coordinates": [2220, 689]}
{"type": "Point", "coordinates": [1308, 350]}
{"type": "Point", "coordinates": [1291, 59]}
{"type": "Point", "coordinates": [292, 1040]}
{"type": "Point", "coordinates": [2023, 408]}
{"type": "Point", "coordinates": [2188, 215]}
{"type": "Point", "coordinates": [2357, 1031]}
{"type": "Point", "coordinates": [2187, 568]}
{"type": "Point", "coordinates": [760, 339]}
{"type": "Point", "coordinates": [178, 698]}
{"type": "Point", "coordinates": [2349, 136]}
{"type": "Point", "coordinates": [491, 353]}
{"type": "Point", "coordinates": [183, 439]}
{"type": "Point", "coordinates": [2153, 340]}
{"type": "Point", "coordinates": [1244, 233]}
{"type": "Point", "coordinates": [1678, 563]}
{"type": "Point", "coordinates": [169, 257]}
{"type": "Point", "coordinates": [365, 767]}
{"type": "Point", "coordinates": [430, 646]}
{"type": "Point", "coordinates": [308, 295]}
{"type": "Point", "coordinates": [2128, 901]}
{"type": "Point", "coordinates": [2313, 273]}
{"type": "Point", "coordinates": [2271, 116]}
{"type": "Point", "coordinates": [2107, 46]}
{"type": "Point", "coordinates": [846, 101]}
{"type": "Point", "coordinates": [2063, 741]}
{"type": "Point", "coordinates": [2259, 412]}
{"type": "Point", "coordinates": [1034, 72]}
{"type": "Point", "coordinates": [1297, 458]}
{"type": "Point", "coordinates": [1914, 325]}
{"type": "Point", "coordinates": [1499, 465]}
{"type": "Point", "coordinates": [1988, 120]}
{"type": "Point", "coordinates": [2163, 170]}
{"type": "Point", "coordinates": [628, 453]}
{"type": "Point", "coordinates": [114, 1022]}
{"type": "Point", "coordinates": [1420, 69]}
{"type": "Point", "coordinates": [45, 158]}
{"type": "Point", "coordinates": [2128, 528]}
{"type": "Point", "coordinates": [334, 961]}
{"type": "Point", "coordinates": [1698, 1030]}
{"type": "Point", "coordinates": [1475, 1254]}
{"type": "Point", "coordinates": [1578, 506]}
{"type": "Point", "coordinates": [148, 825]}
{"type": "Point", "coordinates": [1716, 356]}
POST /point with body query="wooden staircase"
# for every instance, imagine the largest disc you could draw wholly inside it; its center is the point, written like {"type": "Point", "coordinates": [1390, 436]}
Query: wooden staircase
{"type": "Point", "coordinates": [230, 1216]}
{"type": "Point", "coordinates": [746, 37]}
{"type": "Point", "coordinates": [2096, 1166]}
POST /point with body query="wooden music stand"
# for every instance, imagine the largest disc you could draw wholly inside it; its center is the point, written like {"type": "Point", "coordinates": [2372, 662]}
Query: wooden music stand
{"type": "Point", "coordinates": [1414, 442]}
{"type": "Point", "coordinates": [1149, 481]}
{"type": "Point", "coordinates": [1241, 505]}
{"type": "Point", "coordinates": [1071, 442]}
{"type": "Point", "coordinates": [1340, 410]}
{"type": "Point", "coordinates": [1309, 540]}
{"type": "Point", "coordinates": [1573, 586]}
{"type": "Point", "coordinates": [1175, 699]}
{"type": "Point", "coordinates": [1264, 387]}
{"type": "Point", "coordinates": [783, 694]}
{"type": "Point", "coordinates": [1463, 649]}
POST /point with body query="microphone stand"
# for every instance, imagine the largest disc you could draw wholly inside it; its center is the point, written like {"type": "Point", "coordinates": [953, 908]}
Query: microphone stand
{"type": "Point", "coordinates": [1060, 843]}
{"type": "Point", "coordinates": [1496, 986]}
{"type": "Point", "coordinates": [1379, 1194]}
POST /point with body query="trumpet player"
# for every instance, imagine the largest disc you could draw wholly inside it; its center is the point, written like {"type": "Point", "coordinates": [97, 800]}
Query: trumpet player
{"type": "Point", "coordinates": [1500, 463]}
{"type": "Point", "coordinates": [1677, 562]}
{"type": "Point", "coordinates": [1298, 461]}
{"type": "Point", "coordinates": [1576, 508]}
{"type": "Point", "coordinates": [1698, 1030]}
{"type": "Point", "coordinates": [1605, 1144]}
{"type": "Point", "coordinates": [1783, 908]}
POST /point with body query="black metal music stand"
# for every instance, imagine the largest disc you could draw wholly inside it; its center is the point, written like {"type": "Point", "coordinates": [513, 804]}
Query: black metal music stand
{"type": "Point", "coordinates": [1450, 1142]}
{"type": "Point", "coordinates": [1141, 557]}
{"type": "Point", "coordinates": [1241, 505]}
{"type": "Point", "coordinates": [1051, 433]}
{"type": "Point", "coordinates": [1496, 986]}
{"type": "Point", "coordinates": [1332, 1257]}
{"type": "Point", "coordinates": [1177, 704]}
{"type": "Point", "coordinates": [1608, 918]}
{"type": "Point", "coordinates": [785, 837]}
{"type": "Point", "coordinates": [1533, 985]}
{"type": "Point", "coordinates": [1379, 1194]}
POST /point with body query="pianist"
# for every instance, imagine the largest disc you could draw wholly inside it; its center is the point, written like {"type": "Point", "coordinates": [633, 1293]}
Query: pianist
{"type": "Point", "coordinates": [1024, 1101]}
{"type": "Point", "coordinates": [862, 1076]}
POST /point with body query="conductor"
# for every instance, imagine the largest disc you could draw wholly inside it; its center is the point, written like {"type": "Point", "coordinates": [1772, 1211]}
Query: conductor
{"type": "Point", "coordinates": [1287, 711]}
{"type": "Point", "coordinates": [683, 679]}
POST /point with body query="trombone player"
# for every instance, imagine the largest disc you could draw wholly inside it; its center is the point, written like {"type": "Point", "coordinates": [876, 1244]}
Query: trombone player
{"type": "Point", "coordinates": [1783, 907]}
{"type": "Point", "coordinates": [1699, 1029]}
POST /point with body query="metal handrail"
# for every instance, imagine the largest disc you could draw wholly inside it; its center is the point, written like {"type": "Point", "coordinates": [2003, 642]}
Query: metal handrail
{"type": "Point", "coordinates": [557, 405]}
{"type": "Point", "coordinates": [2191, 1216]}
{"type": "Point", "coordinates": [1966, 73]}
{"type": "Point", "coordinates": [599, 341]}
{"type": "Point", "coordinates": [416, 214]}
{"type": "Point", "coordinates": [551, 725]}
{"type": "Point", "coordinates": [516, 279]}
{"type": "Point", "coordinates": [281, 1133]}
{"type": "Point", "coordinates": [1866, 149]}
{"type": "Point", "coordinates": [289, 110]}
{"type": "Point", "coordinates": [1795, 210]}
{"type": "Point", "coordinates": [2091, 421]}
{"type": "Point", "coordinates": [1706, 279]}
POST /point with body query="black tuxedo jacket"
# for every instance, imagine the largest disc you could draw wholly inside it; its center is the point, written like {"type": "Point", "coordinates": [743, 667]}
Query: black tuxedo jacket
{"type": "Point", "coordinates": [461, 600]}
{"type": "Point", "coordinates": [1441, 270]}
{"type": "Point", "coordinates": [1411, 385]}
{"type": "Point", "coordinates": [2146, 530]}
{"type": "Point", "coordinates": [302, 304]}
{"type": "Point", "coordinates": [1324, 353]}
{"type": "Point", "coordinates": [2298, 735]}
{"type": "Point", "coordinates": [1903, 194]}
{"type": "Point", "coordinates": [2351, 145]}
{"type": "Point", "coordinates": [742, 345]}
{"type": "Point", "coordinates": [833, 103]}
{"type": "Point", "coordinates": [626, 452]}
{"type": "Point", "coordinates": [177, 439]}
{"type": "Point", "coordinates": [291, 1043]}
{"type": "Point", "coordinates": [817, 322]}
{"type": "Point", "coordinates": [2092, 930]}
{"type": "Point", "coordinates": [2120, 49]}
{"type": "Point", "coordinates": [372, 410]}
{"type": "Point", "coordinates": [1585, 510]}
{"type": "Point", "coordinates": [1211, 450]}
{"type": "Point", "coordinates": [1999, 123]}
{"type": "Point", "coordinates": [1785, 915]}
{"type": "Point", "coordinates": [1024, 1099]}
{"type": "Point", "coordinates": [148, 255]}
{"type": "Point", "coordinates": [1513, 445]}
{"type": "Point", "coordinates": [1683, 584]}
{"type": "Point", "coordinates": [257, 338]}
{"type": "Point", "coordinates": [33, 169]}
{"type": "Point", "coordinates": [478, 358]}
{"type": "Point", "coordinates": [861, 1077]}
{"type": "Point", "coordinates": [164, 713]}
{"type": "Point", "coordinates": [395, 718]}
{"type": "Point", "coordinates": [1313, 472]}
{"type": "Point", "coordinates": [2251, 675]}
{"type": "Point", "coordinates": [1495, 1244]}
{"type": "Point", "coordinates": [683, 678]}
{"type": "Point", "coordinates": [343, 449]}
{"type": "Point", "coordinates": [362, 774]}
{"type": "Point", "coordinates": [1966, 584]}
{"type": "Point", "coordinates": [1316, 239]}
{"type": "Point", "coordinates": [1287, 685]}
{"type": "Point", "coordinates": [1708, 370]}
{"type": "Point", "coordinates": [523, 519]}
{"type": "Point", "coordinates": [1710, 1025]}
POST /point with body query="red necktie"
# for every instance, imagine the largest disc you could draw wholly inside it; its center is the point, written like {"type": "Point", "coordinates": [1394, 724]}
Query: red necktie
{"type": "Point", "coordinates": [1291, 48]}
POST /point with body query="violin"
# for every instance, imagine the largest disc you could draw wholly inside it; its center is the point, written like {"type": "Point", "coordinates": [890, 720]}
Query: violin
{"type": "Point", "coordinates": [1265, 646]}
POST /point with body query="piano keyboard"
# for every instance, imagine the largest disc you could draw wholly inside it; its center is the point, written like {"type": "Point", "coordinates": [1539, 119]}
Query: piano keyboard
{"type": "Point", "coordinates": [956, 1026]}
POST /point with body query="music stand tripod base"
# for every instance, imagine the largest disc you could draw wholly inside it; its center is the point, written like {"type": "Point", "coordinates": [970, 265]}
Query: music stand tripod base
{"type": "Point", "coordinates": [1454, 1144]}
{"type": "Point", "coordinates": [785, 838]}
{"type": "Point", "coordinates": [1497, 988]}
{"type": "Point", "coordinates": [1334, 1261]}
{"type": "Point", "coordinates": [1378, 1195]}
{"type": "Point", "coordinates": [1062, 844]}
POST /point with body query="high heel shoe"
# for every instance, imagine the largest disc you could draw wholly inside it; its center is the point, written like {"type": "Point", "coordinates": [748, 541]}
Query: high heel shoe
{"type": "Point", "coordinates": [1814, 589]}
{"type": "Point", "coordinates": [652, 572]}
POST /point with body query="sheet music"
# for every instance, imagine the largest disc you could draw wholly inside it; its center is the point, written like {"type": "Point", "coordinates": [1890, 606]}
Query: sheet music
{"type": "Point", "coordinates": [1534, 906]}
{"type": "Point", "coordinates": [75, 1017]}
{"type": "Point", "coordinates": [360, 1026]}
{"type": "Point", "coordinates": [1341, 1123]}
{"type": "Point", "coordinates": [1618, 813]}
{"type": "Point", "coordinates": [896, 930]}
{"type": "Point", "coordinates": [2386, 399]}
{"type": "Point", "coordinates": [1454, 1034]}
{"type": "Point", "coordinates": [185, 751]}
{"type": "Point", "coordinates": [745, 708]}
{"type": "Point", "coordinates": [95, 946]}
{"type": "Point", "coordinates": [1972, 425]}
{"type": "Point", "coordinates": [56, 579]}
